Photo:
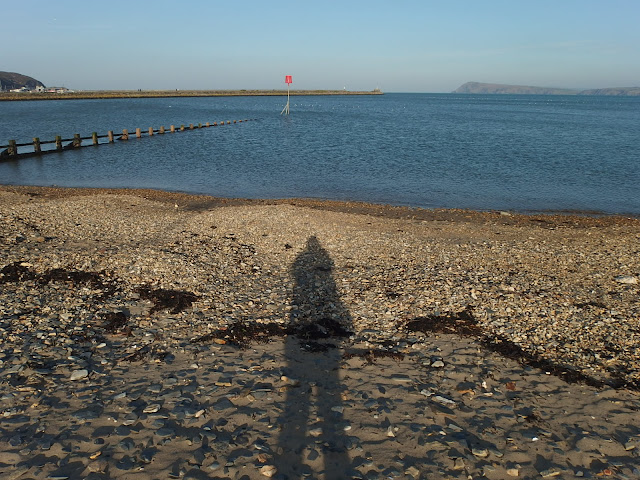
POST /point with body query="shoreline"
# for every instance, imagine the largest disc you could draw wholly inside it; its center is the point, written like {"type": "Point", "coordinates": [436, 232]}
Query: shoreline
{"type": "Point", "coordinates": [152, 333]}
{"type": "Point", "coordinates": [108, 94]}
{"type": "Point", "coordinates": [198, 202]}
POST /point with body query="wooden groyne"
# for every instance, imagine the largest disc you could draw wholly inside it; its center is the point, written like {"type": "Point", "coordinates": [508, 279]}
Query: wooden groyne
{"type": "Point", "coordinates": [10, 151]}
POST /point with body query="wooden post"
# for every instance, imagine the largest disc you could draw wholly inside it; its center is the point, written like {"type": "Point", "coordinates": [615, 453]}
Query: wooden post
{"type": "Point", "coordinates": [94, 138]}
{"type": "Point", "coordinates": [172, 129]}
{"type": "Point", "coordinates": [199, 125]}
{"type": "Point", "coordinates": [76, 140]}
{"type": "Point", "coordinates": [191, 126]}
{"type": "Point", "coordinates": [161, 131]}
{"type": "Point", "coordinates": [36, 145]}
{"type": "Point", "coordinates": [12, 150]}
{"type": "Point", "coordinates": [150, 131]}
{"type": "Point", "coordinates": [215, 124]}
{"type": "Point", "coordinates": [110, 136]}
{"type": "Point", "coordinates": [125, 134]}
{"type": "Point", "coordinates": [235, 121]}
{"type": "Point", "coordinates": [207, 124]}
{"type": "Point", "coordinates": [138, 132]}
{"type": "Point", "coordinates": [182, 128]}
{"type": "Point", "coordinates": [58, 142]}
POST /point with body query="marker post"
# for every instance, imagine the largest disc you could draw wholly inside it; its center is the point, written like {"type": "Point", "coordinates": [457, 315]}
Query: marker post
{"type": "Point", "coordinates": [287, 80]}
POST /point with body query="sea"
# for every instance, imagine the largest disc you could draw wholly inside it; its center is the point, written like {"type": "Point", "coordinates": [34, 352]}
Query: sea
{"type": "Point", "coordinates": [523, 153]}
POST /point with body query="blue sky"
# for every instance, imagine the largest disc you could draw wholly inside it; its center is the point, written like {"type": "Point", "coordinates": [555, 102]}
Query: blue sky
{"type": "Point", "coordinates": [396, 45]}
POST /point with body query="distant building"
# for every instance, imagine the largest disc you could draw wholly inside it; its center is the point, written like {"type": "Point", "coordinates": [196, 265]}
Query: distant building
{"type": "Point", "coordinates": [58, 90]}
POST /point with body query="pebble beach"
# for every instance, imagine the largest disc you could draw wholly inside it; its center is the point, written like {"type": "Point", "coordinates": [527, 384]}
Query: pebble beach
{"type": "Point", "coordinates": [152, 335]}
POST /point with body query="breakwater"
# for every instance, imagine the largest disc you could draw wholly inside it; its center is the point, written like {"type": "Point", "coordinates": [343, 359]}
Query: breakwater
{"type": "Point", "coordinates": [11, 150]}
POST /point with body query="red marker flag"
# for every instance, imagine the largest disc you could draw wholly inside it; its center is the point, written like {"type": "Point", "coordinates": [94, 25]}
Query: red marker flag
{"type": "Point", "coordinates": [287, 79]}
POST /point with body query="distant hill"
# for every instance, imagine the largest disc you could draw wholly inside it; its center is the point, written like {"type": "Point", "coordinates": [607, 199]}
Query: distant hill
{"type": "Point", "coordinates": [476, 87]}
{"type": "Point", "coordinates": [11, 80]}
{"type": "Point", "coordinates": [620, 91]}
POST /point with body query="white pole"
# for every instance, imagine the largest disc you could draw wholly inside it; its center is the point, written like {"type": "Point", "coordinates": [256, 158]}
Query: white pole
{"type": "Point", "coordinates": [285, 110]}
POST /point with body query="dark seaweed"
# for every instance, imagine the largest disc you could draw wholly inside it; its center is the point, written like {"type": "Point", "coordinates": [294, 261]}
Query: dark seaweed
{"type": "Point", "coordinates": [15, 272]}
{"type": "Point", "coordinates": [464, 324]}
{"type": "Point", "coordinates": [175, 301]}
{"type": "Point", "coordinates": [116, 322]}
{"type": "Point", "coordinates": [242, 334]}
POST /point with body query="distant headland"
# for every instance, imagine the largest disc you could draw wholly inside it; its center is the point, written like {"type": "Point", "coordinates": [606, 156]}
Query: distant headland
{"type": "Point", "coordinates": [497, 88]}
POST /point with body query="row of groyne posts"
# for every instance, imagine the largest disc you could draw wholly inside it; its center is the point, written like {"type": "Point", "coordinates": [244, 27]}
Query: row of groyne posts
{"type": "Point", "coordinates": [10, 151]}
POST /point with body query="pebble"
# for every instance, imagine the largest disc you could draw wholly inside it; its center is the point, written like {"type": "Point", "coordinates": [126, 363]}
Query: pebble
{"type": "Point", "coordinates": [480, 452]}
{"type": "Point", "coordinates": [412, 471]}
{"type": "Point", "coordinates": [153, 408]}
{"type": "Point", "coordinates": [79, 374]}
{"type": "Point", "coordinates": [268, 470]}
{"type": "Point", "coordinates": [627, 279]}
{"type": "Point", "coordinates": [98, 466]}
{"type": "Point", "coordinates": [548, 473]}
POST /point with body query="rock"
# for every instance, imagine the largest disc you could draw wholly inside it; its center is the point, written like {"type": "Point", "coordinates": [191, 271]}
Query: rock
{"type": "Point", "coordinates": [147, 455]}
{"type": "Point", "coordinates": [268, 470]}
{"type": "Point", "coordinates": [79, 374]}
{"type": "Point", "coordinates": [513, 472]}
{"type": "Point", "coordinates": [165, 432]}
{"type": "Point", "coordinates": [480, 452]}
{"type": "Point", "coordinates": [627, 279]}
{"type": "Point", "coordinates": [223, 404]}
{"type": "Point", "coordinates": [98, 466]}
{"type": "Point", "coordinates": [550, 472]}
{"type": "Point", "coordinates": [458, 464]}
{"type": "Point", "coordinates": [412, 471]}
{"type": "Point", "coordinates": [153, 408]}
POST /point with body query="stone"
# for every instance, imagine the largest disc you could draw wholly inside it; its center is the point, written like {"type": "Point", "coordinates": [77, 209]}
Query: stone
{"type": "Point", "coordinates": [268, 470]}
{"type": "Point", "coordinates": [98, 466]}
{"type": "Point", "coordinates": [550, 472]}
{"type": "Point", "coordinates": [79, 374]}
{"type": "Point", "coordinates": [412, 471]}
{"type": "Point", "coordinates": [480, 452]}
{"type": "Point", "coordinates": [153, 408]}
{"type": "Point", "coordinates": [627, 279]}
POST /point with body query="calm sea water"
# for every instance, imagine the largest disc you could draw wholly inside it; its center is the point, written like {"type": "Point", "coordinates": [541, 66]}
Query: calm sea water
{"type": "Point", "coordinates": [520, 152]}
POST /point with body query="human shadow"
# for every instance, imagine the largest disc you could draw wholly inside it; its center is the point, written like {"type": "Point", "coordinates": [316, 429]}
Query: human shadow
{"type": "Point", "coordinates": [313, 439]}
